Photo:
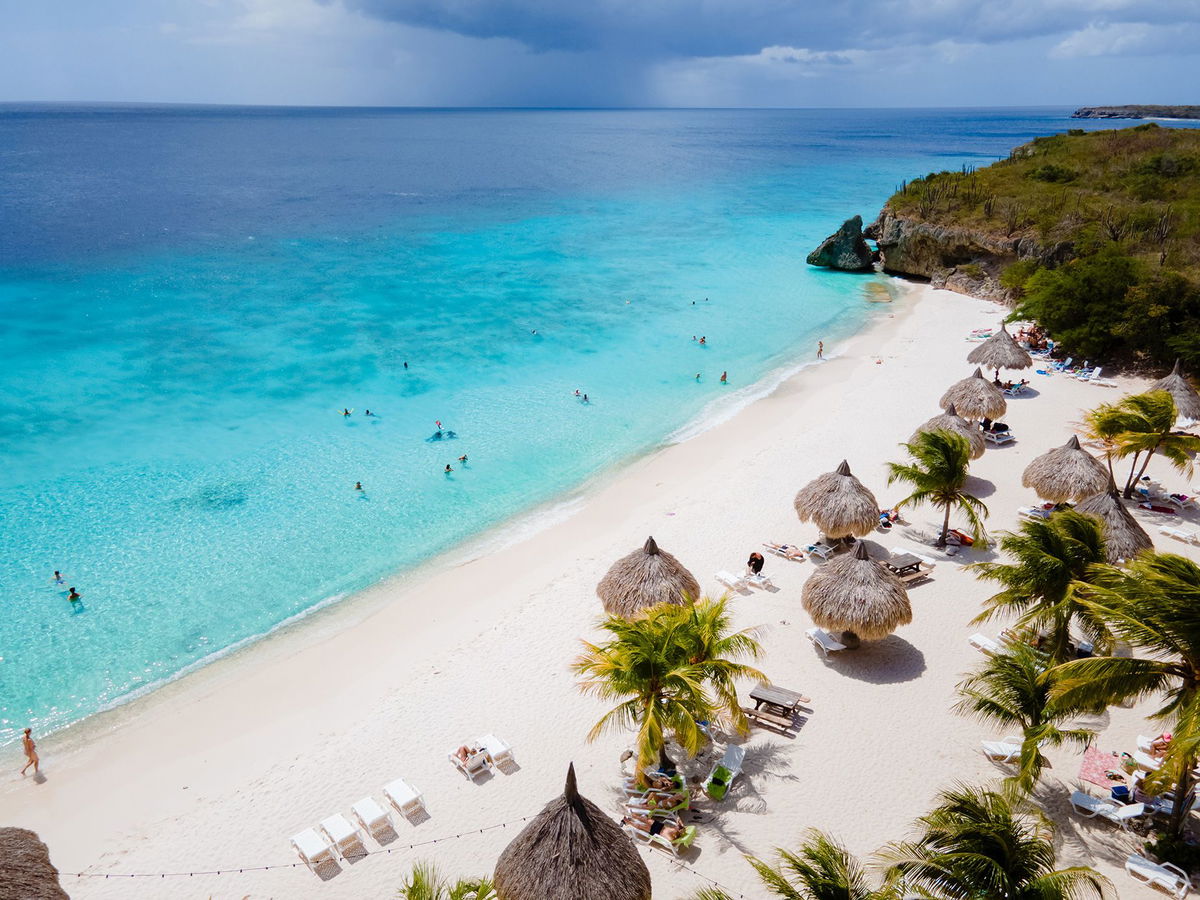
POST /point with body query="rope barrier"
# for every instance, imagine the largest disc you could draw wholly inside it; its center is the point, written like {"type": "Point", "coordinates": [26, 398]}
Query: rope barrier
{"type": "Point", "coordinates": [229, 870]}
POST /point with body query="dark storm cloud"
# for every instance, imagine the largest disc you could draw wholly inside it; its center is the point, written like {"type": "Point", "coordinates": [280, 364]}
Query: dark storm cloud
{"type": "Point", "coordinates": [706, 28]}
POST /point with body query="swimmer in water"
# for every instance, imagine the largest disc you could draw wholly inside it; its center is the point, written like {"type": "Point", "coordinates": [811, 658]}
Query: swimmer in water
{"type": "Point", "coordinates": [463, 459]}
{"type": "Point", "coordinates": [358, 485]}
{"type": "Point", "coordinates": [73, 596]}
{"type": "Point", "coordinates": [448, 469]}
{"type": "Point", "coordinates": [585, 399]}
{"type": "Point", "coordinates": [406, 364]}
{"type": "Point", "coordinates": [724, 378]}
{"type": "Point", "coordinates": [345, 412]}
{"type": "Point", "coordinates": [58, 577]}
{"type": "Point", "coordinates": [703, 340]}
{"type": "Point", "coordinates": [533, 331]}
{"type": "Point", "coordinates": [576, 392]}
{"type": "Point", "coordinates": [438, 423]}
{"type": "Point", "coordinates": [368, 413]}
{"type": "Point", "coordinates": [697, 377]}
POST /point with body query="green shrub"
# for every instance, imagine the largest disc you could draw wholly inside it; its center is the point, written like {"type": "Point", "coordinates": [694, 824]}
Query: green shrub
{"type": "Point", "coordinates": [972, 270]}
{"type": "Point", "coordinates": [1017, 274]}
{"type": "Point", "coordinates": [1053, 173]}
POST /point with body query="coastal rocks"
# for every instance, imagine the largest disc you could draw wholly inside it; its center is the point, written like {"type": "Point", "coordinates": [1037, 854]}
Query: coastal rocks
{"type": "Point", "coordinates": [1137, 112]}
{"type": "Point", "coordinates": [845, 249]}
{"type": "Point", "coordinates": [953, 257]}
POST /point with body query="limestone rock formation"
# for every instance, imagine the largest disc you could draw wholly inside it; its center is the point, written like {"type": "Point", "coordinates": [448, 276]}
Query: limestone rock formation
{"type": "Point", "coordinates": [845, 249]}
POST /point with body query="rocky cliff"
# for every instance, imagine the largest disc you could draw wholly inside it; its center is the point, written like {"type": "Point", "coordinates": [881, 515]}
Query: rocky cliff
{"type": "Point", "coordinates": [958, 258]}
{"type": "Point", "coordinates": [1137, 112]}
{"type": "Point", "coordinates": [845, 249]}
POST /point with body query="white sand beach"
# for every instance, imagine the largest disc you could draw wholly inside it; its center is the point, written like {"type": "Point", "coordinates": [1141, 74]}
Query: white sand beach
{"type": "Point", "coordinates": [219, 769]}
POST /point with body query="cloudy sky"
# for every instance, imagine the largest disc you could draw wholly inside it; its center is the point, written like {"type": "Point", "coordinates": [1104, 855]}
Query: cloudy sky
{"type": "Point", "coordinates": [603, 52]}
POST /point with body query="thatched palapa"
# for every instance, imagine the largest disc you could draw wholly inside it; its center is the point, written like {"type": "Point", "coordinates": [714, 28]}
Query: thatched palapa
{"type": "Point", "coordinates": [1000, 351]}
{"type": "Point", "coordinates": [645, 578]}
{"type": "Point", "coordinates": [1187, 401]}
{"type": "Point", "coordinates": [839, 503]}
{"type": "Point", "coordinates": [1124, 538]}
{"type": "Point", "coordinates": [951, 421]}
{"type": "Point", "coordinates": [852, 593]}
{"type": "Point", "coordinates": [1066, 473]}
{"type": "Point", "coordinates": [975, 398]}
{"type": "Point", "coordinates": [571, 851]}
{"type": "Point", "coordinates": [25, 867]}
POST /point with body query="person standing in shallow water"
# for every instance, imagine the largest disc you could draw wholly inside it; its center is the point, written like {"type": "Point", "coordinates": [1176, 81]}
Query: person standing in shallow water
{"type": "Point", "coordinates": [30, 749]}
{"type": "Point", "coordinates": [724, 378]}
{"type": "Point", "coordinates": [820, 349]}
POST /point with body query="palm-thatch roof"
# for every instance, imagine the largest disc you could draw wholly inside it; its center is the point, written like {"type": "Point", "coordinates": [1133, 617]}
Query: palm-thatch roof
{"type": "Point", "coordinates": [839, 503]}
{"type": "Point", "coordinates": [646, 577]}
{"type": "Point", "coordinates": [1187, 401]}
{"type": "Point", "coordinates": [25, 867]}
{"type": "Point", "coordinates": [1066, 473]}
{"type": "Point", "coordinates": [975, 398]}
{"type": "Point", "coordinates": [571, 851]}
{"type": "Point", "coordinates": [1124, 538]}
{"type": "Point", "coordinates": [1000, 351]}
{"type": "Point", "coordinates": [853, 593]}
{"type": "Point", "coordinates": [951, 421]}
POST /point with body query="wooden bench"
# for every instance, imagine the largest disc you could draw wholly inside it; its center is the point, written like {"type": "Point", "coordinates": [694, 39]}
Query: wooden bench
{"type": "Point", "coordinates": [761, 716]}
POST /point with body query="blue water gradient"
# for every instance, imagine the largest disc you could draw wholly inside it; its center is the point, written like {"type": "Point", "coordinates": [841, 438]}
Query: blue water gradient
{"type": "Point", "coordinates": [190, 296]}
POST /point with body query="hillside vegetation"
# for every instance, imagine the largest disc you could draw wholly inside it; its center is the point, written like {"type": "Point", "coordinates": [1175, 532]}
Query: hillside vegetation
{"type": "Point", "coordinates": [1114, 220]}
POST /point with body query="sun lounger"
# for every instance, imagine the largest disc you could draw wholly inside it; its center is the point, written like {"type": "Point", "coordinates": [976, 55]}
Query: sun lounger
{"type": "Point", "coordinates": [825, 551]}
{"type": "Point", "coordinates": [371, 816]}
{"type": "Point", "coordinates": [1183, 501]}
{"type": "Point", "coordinates": [1090, 807]}
{"type": "Point", "coordinates": [633, 790]}
{"type": "Point", "coordinates": [985, 644]}
{"type": "Point", "coordinates": [652, 804]}
{"type": "Point", "coordinates": [1034, 512]}
{"type": "Point", "coordinates": [1064, 365]}
{"type": "Point", "coordinates": [824, 641]}
{"type": "Point", "coordinates": [760, 580]}
{"type": "Point", "coordinates": [1187, 535]}
{"type": "Point", "coordinates": [1093, 377]}
{"type": "Point", "coordinates": [341, 833]}
{"type": "Point", "coordinates": [1007, 749]}
{"type": "Point", "coordinates": [998, 437]}
{"type": "Point", "coordinates": [313, 848]}
{"type": "Point", "coordinates": [1169, 877]}
{"type": "Point", "coordinates": [406, 798]}
{"type": "Point", "coordinates": [675, 847]}
{"type": "Point", "coordinates": [1145, 761]}
{"type": "Point", "coordinates": [474, 765]}
{"type": "Point", "coordinates": [498, 751]}
{"type": "Point", "coordinates": [731, 581]}
{"type": "Point", "coordinates": [721, 777]}
{"type": "Point", "coordinates": [787, 551]}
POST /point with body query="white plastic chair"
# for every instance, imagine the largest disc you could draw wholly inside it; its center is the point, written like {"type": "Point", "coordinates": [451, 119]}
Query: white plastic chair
{"type": "Point", "coordinates": [1007, 749]}
{"type": "Point", "coordinates": [984, 644]}
{"type": "Point", "coordinates": [1090, 807]}
{"type": "Point", "coordinates": [731, 581]}
{"type": "Point", "coordinates": [824, 641]}
{"type": "Point", "coordinates": [1164, 875]}
{"type": "Point", "coordinates": [341, 833]}
{"type": "Point", "coordinates": [312, 848]}
{"type": "Point", "coordinates": [474, 765]}
{"type": "Point", "coordinates": [498, 751]}
{"type": "Point", "coordinates": [371, 816]}
{"type": "Point", "coordinates": [404, 797]}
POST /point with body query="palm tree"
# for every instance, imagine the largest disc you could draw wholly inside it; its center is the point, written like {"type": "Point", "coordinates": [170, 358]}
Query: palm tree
{"type": "Point", "coordinates": [937, 474]}
{"type": "Point", "coordinates": [1050, 558]}
{"type": "Point", "coordinates": [662, 668]}
{"type": "Point", "coordinates": [1140, 426]}
{"type": "Point", "coordinates": [1152, 604]}
{"type": "Point", "coordinates": [1011, 691]}
{"type": "Point", "coordinates": [822, 869]}
{"type": "Point", "coordinates": [425, 883]}
{"type": "Point", "coordinates": [980, 843]}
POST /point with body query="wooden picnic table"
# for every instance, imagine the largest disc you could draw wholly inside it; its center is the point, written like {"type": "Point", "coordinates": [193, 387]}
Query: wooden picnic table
{"type": "Point", "coordinates": [780, 698]}
{"type": "Point", "coordinates": [903, 564]}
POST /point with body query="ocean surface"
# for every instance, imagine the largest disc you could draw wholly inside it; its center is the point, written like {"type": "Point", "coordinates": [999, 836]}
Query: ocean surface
{"type": "Point", "coordinates": [191, 296]}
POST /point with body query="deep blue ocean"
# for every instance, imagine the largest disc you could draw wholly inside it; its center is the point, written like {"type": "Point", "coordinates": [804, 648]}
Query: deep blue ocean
{"type": "Point", "coordinates": [190, 296]}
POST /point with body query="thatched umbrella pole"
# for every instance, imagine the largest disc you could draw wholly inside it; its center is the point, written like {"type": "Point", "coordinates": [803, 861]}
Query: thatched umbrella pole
{"type": "Point", "coordinates": [645, 578]}
{"type": "Point", "coordinates": [1187, 401]}
{"type": "Point", "coordinates": [858, 597]}
{"type": "Point", "coordinates": [1066, 473]}
{"type": "Point", "coordinates": [1124, 538]}
{"type": "Point", "coordinates": [951, 421]}
{"type": "Point", "coordinates": [571, 851]}
{"type": "Point", "coordinates": [839, 504]}
{"type": "Point", "coordinates": [975, 398]}
{"type": "Point", "coordinates": [1000, 351]}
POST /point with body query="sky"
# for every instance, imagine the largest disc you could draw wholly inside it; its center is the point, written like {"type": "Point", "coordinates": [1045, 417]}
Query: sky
{"type": "Point", "coordinates": [674, 53]}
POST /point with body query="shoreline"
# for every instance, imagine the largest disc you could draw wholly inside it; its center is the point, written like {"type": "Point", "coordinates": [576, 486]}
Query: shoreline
{"type": "Point", "coordinates": [218, 770]}
{"type": "Point", "coordinates": [339, 612]}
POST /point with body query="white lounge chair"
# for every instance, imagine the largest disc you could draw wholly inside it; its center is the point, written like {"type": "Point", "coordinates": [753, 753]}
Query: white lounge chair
{"type": "Point", "coordinates": [1169, 877]}
{"type": "Point", "coordinates": [1145, 761]}
{"type": "Point", "coordinates": [371, 816]}
{"type": "Point", "coordinates": [731, 581]}
{"type": "Point", "coordinates": [341, 833]}
{"type": "Point", "coordinates": [497, 750]}
{"type": "Point", "coordinates": [787, 551]}
{"type": "Point", "coordinates": [1034, 512]}
{"type": "Point", "coordinates": [1187, 535]}
{"type": "Point", "coordinates": [732, 763]}
{"type": "Point", "coordinates": [824, 641]}
{"type": "Point", "coordinates": [474, 765]}
{"type": "Point", "coordinates": [406, 798]}
{"type": "Point", "coordinates": [1007, 749]}
{"type": "Point", "coordinates": [760, 580]}
{"type": "Point", "coordinates": [998, 437]}
{"type": "Point", "coordinates": [657, 840]}
{"type": "Point", "coordinates": [1090, 807]}
{"type": "Point", "coordinates": [313, 848]}
{"type": "Point", "coordinates": [1094, 378]}
{"type": "Point", "coordinates": [825, 551]}
{"type": "Point", "coordinates": [985, 644]}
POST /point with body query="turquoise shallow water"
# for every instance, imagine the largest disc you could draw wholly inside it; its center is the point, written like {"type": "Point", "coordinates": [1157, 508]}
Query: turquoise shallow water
{"type": "Point", "coordinates": [190, 297]}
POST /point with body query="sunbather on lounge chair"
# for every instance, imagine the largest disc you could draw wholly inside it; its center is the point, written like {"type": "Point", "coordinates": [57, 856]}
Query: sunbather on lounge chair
{"type": "Point", "coordinates": [464, 752]}
{"type": "Point", "coordinates": [671, 829]}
